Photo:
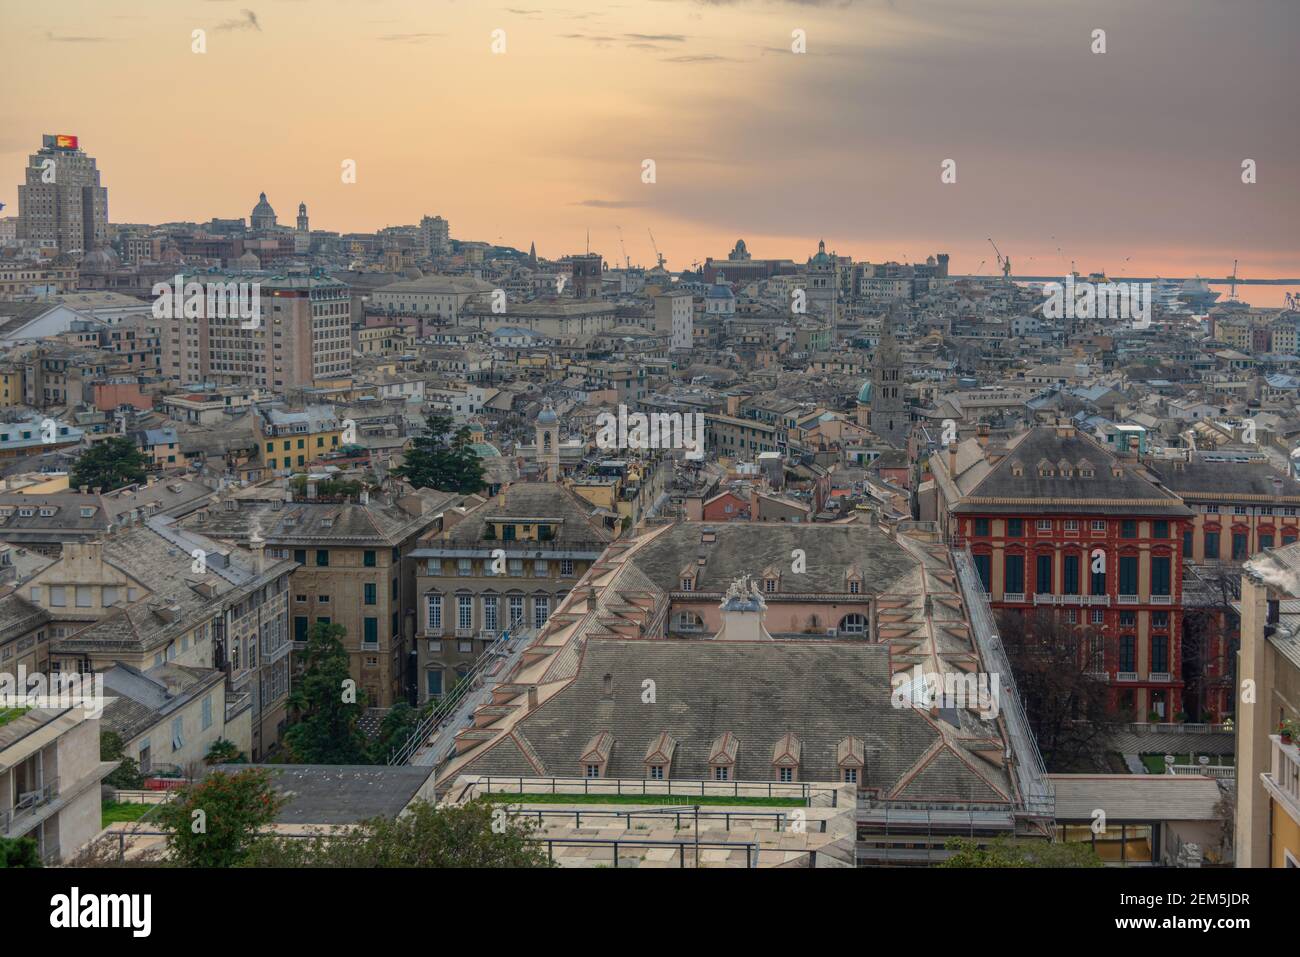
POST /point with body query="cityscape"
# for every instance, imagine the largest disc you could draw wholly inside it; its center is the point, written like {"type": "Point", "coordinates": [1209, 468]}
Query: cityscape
{"type": "Point", "coordinates": [355, 515]}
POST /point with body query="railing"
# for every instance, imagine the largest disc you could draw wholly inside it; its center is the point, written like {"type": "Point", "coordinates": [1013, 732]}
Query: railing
{"type": "Point", "coordinates": [1016, 596]}
{"type": "Point", "coordinates": [749, 847]}
{"type": "Point", "coordinates": [1127, 600]}
{"type": "Point", "coordinates": [1126, 676]}
{"type": "Point", "coordinates": [447, 703]}
{"type": "Point", "coordinates": [1046, 599]}
{"type": "Point", "coordinates": [779, 819]}
{"type": "Point", "coordinates": [28, 803]}
{"type": "Point", "coordinates": [1037, 795]}
{"type": "Point", "coordinates": [1169, 727]}
{"type": "Point", "coordinates": [801, 790]}
{"type": "Point", "coordinates": [1283, 779]}
{"type": "Point", "coordinates": [1160, 676]}
{"type": "Point", "coordinates": [1161, 600]}
{"type": "Point", "coordinates": [1225, 771]}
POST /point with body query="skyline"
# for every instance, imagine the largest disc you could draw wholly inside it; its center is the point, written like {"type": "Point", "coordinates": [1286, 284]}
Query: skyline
{"type": "Point", "coordinates": [546, 141]}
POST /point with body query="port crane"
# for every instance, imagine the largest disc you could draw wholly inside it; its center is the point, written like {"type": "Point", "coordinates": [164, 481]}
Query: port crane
{"type": "Point", "coordinates": [658, 254]}
{"type": "Point", "coordinates": [1004, 263]}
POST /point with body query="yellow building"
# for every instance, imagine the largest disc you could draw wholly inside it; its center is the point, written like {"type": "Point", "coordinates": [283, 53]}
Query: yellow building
{"type": "Point", "coordinates": [1268, 768]}
{"type": "Point", "coordinates": [290, 441]}
{"type": "Point", "coordinates": [11, 387]}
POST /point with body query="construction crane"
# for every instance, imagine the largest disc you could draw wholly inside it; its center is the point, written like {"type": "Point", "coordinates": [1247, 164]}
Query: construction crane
{"type": "Point", "coordinates": [658, 254]}
{"type": "Point", "coordinates": [1003, 263]}
{"type": "Point", "coordinates": [627, 263]}
{"type": "Point", "coordinates": [1233, 294]}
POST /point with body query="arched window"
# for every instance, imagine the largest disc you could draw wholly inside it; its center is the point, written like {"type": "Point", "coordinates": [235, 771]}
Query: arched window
{"type": "Point", "coordinates": [853, 624]}
{"type": "Point", "coordinates": [689, 621]}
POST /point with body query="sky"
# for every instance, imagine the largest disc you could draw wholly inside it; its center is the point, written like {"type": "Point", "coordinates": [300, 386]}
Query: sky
{"type": "Point", "coordinates": [1127, 161]}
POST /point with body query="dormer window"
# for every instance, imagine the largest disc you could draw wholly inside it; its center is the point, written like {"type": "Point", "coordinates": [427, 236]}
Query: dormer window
{"type": "Point", "coordinates": [595, 757]}
{"type": "Point", "coordinates": [722, 756]}
{"type": "Point", "coordinates": [855, 588]}
{"type": "Point", "coordinates": [687, 584]}
{"type": "Point", "coordinates": [769, 585]}
{"type": "Point", "coordinates": [851, 757]}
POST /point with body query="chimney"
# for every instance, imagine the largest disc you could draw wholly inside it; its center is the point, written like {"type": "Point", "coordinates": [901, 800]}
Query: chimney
{"type": "Point", "coordinates": [982, 434]}
{"type": "Point", "coordinates": [952, 460]}
{"type": "Point", "coordinates": [532, 697]}
{"type": "Point", "coordinates": [607, 686]}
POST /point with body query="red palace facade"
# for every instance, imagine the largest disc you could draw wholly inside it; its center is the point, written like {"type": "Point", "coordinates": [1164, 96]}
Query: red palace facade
{"type": "Point", "coordinates": [1056, 521]}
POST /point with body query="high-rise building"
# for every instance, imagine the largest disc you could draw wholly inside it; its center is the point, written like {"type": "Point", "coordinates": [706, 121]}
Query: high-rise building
{"type": "Point", "coordinates": [435, 236]}
{"type": "Point", "coordinates": [61, 205]}
{"type": "Point", "coordinates": [302, 338]}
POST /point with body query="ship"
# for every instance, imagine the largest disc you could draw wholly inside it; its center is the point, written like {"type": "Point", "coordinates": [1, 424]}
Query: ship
{"type": "Point", "coordinates": [1197, 296]}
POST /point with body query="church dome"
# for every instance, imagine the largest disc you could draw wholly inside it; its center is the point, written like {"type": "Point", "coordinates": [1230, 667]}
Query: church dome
{"type": "Point", "coordinates": [100, 262]}
{"type": "Point", "coordinates": [864, 394]}
{"type": "Point", "coordinates": [547, 416]}
{"type": "Point", "coordinates": [263, 215]}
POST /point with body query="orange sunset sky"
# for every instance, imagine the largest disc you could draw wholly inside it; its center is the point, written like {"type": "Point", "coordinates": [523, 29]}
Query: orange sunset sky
{"type": "Point", "coordinates": [1128, 161]}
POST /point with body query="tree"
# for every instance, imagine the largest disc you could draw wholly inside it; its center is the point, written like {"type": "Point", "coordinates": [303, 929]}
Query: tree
{"type": "Point", "coordinates": [1058, 670]}
{"type": "Point", "coordinates": [215, 822]}
{"type": "Point", "coordinates": [477, 834]}
{"type": "Point", "coordinates": [126, 776]}
{"type": "Point", "coordinates": [394, 730]}
{"type": "Point", "coordinates": [443, 459]}
{"type": "Point", "coordinates": [18, 852]}
{"type": "Point", "coordinates": [326, 704]}
{"type": "Point", "coordinates": [1006, 852]}
{"type": "Point", "coordinates": [223, 751]}
{"type": "Point", "coordinates": [109, 465]}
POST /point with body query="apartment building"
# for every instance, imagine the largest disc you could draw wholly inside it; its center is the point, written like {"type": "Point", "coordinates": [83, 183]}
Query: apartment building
{"type": "Point", "coordinates": [301, 339]}
{"type": "Point", "coordinates": [24, 636]}
{"type": "Point", "coordinates": [1268, 768]}
{"type": "Point", "coordinates": [508, 563]}
{"type": "Point", "coordinates": [50, 774]}
{"type": "Point", "coordinates": [148, 593]}
{"type": "Point", "coordinates": [1055, 520]}
{"type": "Point", "coordinates": [290, 440]}
{"type": "Point", "coordinates": [348, 559]}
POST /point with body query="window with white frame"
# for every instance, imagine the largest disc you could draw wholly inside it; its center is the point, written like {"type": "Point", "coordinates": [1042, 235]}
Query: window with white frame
{"type": "Point", "coordinates": [541, 611]}
{"type": "Point", "coordinates": [490, 612]}
{"type": "Point", "coordinates": [434, 603]}
{"type": "Point", "coordinates": [464, 611]}
{"type": "Point", "coordinates": [516, 609]}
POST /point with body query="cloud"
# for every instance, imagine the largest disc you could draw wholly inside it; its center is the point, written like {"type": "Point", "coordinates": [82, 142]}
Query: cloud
{"type": "Point", "coordinates": [657, 37]}
{"type": "Point", "coordinates": [249, 22]}
{"type": "Point", "coordinates": [698, 58]}
{"type": "Point", "coordinates": [608, 204]}
{"type": "Point", "coordinates": [410, 37]}
{"type": "Point", "coordinates": [52, 38]}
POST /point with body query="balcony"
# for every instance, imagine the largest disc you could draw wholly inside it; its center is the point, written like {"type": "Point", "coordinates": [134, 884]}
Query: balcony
{"type": "Point", "coordinates": [1013, 596]}
{"type": "Point", "coordinates": [1126, 676]}
{"type": "Point", "coordinates": [1283, 780]}
{"type": "Point", "coordinates": [464, 632]}
{"type": "Point", "coordinates": [1127, 600]}
{"type": "Point", "coordinates": [1162, 599]}
{"type": "Point", "coordinates": [26, 809]}
{"type": "Point", "coordinates": [1160, 676]}
{"type": "Point", "coordinates": [1082, 600]}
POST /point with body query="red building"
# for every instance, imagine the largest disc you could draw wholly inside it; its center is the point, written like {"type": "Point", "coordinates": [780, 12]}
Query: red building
{"type": "Point", "coordinates": [1055, 520]}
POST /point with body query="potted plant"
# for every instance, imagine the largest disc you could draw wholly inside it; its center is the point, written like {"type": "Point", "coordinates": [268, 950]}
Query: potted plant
{"type": "Point", "coordinates": [1288, 730]}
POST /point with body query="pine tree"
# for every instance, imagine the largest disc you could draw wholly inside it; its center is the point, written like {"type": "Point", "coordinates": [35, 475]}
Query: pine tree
{"type": "Point", "coordinates": [109, 465]}
{"type": "Point", "coordinates": [327, 704]}
{"type": "Point", "coordinates": [443, 459]}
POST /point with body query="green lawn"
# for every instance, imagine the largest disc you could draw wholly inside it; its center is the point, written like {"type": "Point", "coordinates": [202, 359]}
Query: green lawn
{"type": "Point", "coordinates": [115, 812]}
{"type": "Point", "coordinates": [1155, 763]}
{"type": "Point", "coordinates": [8, 714]}
{"type": "Point", "coordinates": [506, 797]}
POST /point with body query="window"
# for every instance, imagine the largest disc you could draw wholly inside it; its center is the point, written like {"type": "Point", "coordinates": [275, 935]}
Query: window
{"type": "Point", "coordinates": [433, 683]}
{"type": "Point", "coordinates": [434, 603]}
{"type": "Point", "coordinates": [371, 597]}
{"type": "Point", "coordinates": [566, 567]}
{"type": "Point", "coordinates": [1127, 619]}
{"type": "Point", "coordinates": [1160, 571]}
{"type": "Point", "coordinates": [1071, 524]}
{"type": "Point", "coordinates": [850, 775]}
{"type": "Point", "coordinates": [981, 526]}
{"type": "Point", "coordinates": [1098, 583]}
{"type": "Point", "coordinates": [322, 558]}
{"type": "Point", "coordinates": [657, 772]}
{"type": "Point", "coordinates": [1015, 574]}
{"type": "Point", "coordinates": [854, 624]}
{"type": "Point", "coordinates": [464, 612]}
{"type": "Point", "coordinates": [434, 567]}
{"type": "Point", "coordinates": [769, 585]}
{"type": "Point", "coordinates": [371, 634]}
{"type": "Point", "coordinates": [490, 612]}
{"type": "Point", "coordinates": [593, 770]}
{"type": "Point", "coordinates": [1044, 524]}
{"type": "Point", "coordinates": [84, 599]}
{"type": "Point", "coordinates": [58, 596]}
{"type": "Point", "coordinates": [721, 773]}
{"type": "Point", "coordinates": [1071, 616]}
{"type": "Point", "coordinates": [1187, 542]}
{"type": "Point", "coordinates": [855, 587]}
{"type": "Point", "coordinates": [1098, 616]}
{"type": "Point", "coordinates": [516, 610]}
{"type": "Point", "coordinates": [1043, 575]}
{"type": "Point", "coordinates": [1211, 544]}
{"type": "Point", "coordinates": [206, 721]}
{"type": "Point", "coordinates": [300, 556]}
{"type": "Point", "coordinates": [541, 611]}
{"type": "Point", "coordinates": [1160, 620]}
{"type": "Point", "coordinates": [464, 567]}
{"type": "Point", "coordinates": [687, 583]}
{"type": "Point", "coordinates": [1128, 528]}
{"type": "Point", "coordinates": [786, 775]}
{"type": "Point", "coordinates": [368, 558]}
{"type": "Point", "coordinates": [1099, 525]}
{"type": "Point", "coordinates": [1128, 575]}
{"type": "Point", "coordinates": [1160, 653]}
{"type": "Point", "coordinates": [1070, 574]}
{"type": "Point", "coordinates": [984, 565]}
{"type": "Point", "coordinates": [541, 568]}
{"type": "Point", "coordinates": [1128, 653]}
{"type": "Point", "coordinates": [1015, 528]}
{"type": "Point", "coordinates": [1160, 529]}
{"type": "Point", "coordinates": [300, 628]}
{"type": "Point", "coordinates": [1239, 547]}
{"type": "Point", "coordinates": [516, 567]}
{"type": "Point", "coordinates": [178, 732]}
{"type": "Point", "coordinates": [1265, 541]}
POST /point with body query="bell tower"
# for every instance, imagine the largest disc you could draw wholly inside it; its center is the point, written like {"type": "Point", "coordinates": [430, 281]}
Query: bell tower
{"type": "Point", "coordinates": [548, 441]}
